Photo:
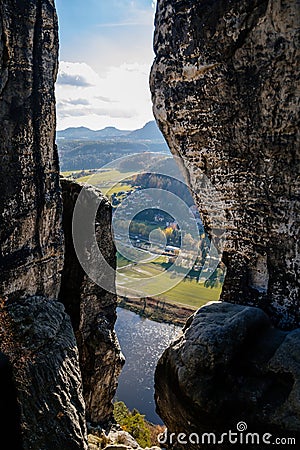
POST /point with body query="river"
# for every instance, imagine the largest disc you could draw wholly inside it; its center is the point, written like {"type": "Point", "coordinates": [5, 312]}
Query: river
{"type": "Point", "coordinates": [142, 342]}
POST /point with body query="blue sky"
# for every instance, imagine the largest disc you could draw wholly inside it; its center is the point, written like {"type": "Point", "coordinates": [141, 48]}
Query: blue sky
{"type": "Point", "coordinates": [105, 58]}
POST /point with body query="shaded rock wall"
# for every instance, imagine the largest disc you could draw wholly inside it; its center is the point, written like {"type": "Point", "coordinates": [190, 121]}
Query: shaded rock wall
{"type": "Point", "coordinates": [37, 342]}
{"type": "Point", "coordinates": [36, 336]}
{"type": "Point", "coordinates": [9, 408]}
{"type": "Point", "coordinates": [91, 308]}
{"type": "Point", "coordinates": [224, 85]}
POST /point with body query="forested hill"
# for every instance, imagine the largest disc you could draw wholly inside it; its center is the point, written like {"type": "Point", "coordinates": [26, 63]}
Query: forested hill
{"type": "Point", "coordinates": [82, 148]}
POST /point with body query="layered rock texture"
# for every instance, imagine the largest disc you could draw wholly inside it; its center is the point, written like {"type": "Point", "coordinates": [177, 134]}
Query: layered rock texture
{"type": "Point", "coordinates": [36, 334]}
{"type": "Point", "coordinates": [225, 94]}
{"type": "Point", "coordinates": [230, 365]}
{"type": "Point", "coordinates": [43, 406]}
{"type": "Point", "coordinates": [30, 206]}
{"type": "Point", "coordinates": [91, 308]}
{"type": "Point", "coordinates": [224, 85]}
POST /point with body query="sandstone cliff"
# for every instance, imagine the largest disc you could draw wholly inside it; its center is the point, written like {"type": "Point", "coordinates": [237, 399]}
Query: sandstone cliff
{"type": "Point", "coordinates": [230, 365]}
{"type": "Point", "coordinates": [225, 93]}
{"type": "Point", "coordinates": [91, 308]}
{"type": "Point", "coordinates": [44, 406]}
{"type": "Point", "coordinates": [224, 85]}
{"type": "Point", "coordinates": [36, 334]}
{"type": "Point", "coordinates": [30, 207]}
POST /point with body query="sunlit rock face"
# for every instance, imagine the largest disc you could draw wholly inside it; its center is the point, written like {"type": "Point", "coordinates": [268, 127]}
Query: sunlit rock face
{"type": "Point", "coordinates": [224, 92]}
{"type": "Point", "coordinates": [224, 89]}
{"type": "Point", "coordinates": [30, 202]}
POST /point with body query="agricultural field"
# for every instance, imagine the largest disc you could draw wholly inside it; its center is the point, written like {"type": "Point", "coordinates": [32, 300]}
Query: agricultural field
{"type": "Point", "coordinates": [186, 292]}
{"type": "Point", "coordinates": [109, 181]}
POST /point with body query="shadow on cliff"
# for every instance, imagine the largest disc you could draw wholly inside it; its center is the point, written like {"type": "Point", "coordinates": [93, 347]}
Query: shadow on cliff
{"type": "Point", "coordinates": [10, 429]}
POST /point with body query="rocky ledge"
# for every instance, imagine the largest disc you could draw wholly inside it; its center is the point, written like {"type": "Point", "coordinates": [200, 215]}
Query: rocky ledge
{"type": "Point", "coordinates": [115, 439]}
{"type": "Point", "coordinates": [230, 365]}
{"type": "Point", "coordinates": [37, 337]}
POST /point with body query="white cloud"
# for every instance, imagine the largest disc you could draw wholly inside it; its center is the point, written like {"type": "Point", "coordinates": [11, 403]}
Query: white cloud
{"type": "Point", "coordinates": [110, 84]}
{"type": "Point", "coordinates": [76, 74]}
{"type": "Point", "coordinates": [79, 101]}
{"type": "Point", "coordinates": [72, 80]}
{"type": "Point", "coordinates": [120, 98]}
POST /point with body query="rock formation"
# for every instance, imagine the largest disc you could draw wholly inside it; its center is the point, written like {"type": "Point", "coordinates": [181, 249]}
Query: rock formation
{"type": "Point", "coordinates": [31, 234]}
{"type": "Point", "coordinates": [224, 89]}
{"type": "Point", "coordinates": [39, 358]}
{"type": "Point", "coordinates": [36, 334]}
{"type": "Point", "coordinates": [92, 309]}
{"type": "Point", "coordinates": [230, 365]}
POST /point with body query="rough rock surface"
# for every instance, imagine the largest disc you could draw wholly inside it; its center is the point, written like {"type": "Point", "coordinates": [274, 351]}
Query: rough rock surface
{"type": "Point", "coordinates": [230, 365]}
{"type": "Point", "coordinates": [92, 309]}
{"type": "Point", "coordinates": [30, 202]}
{"type": "Point", "coordinates": [46, 372]}
{"type": "Point", "coordinates": [37, 343]}
{"type": "Point", "coordinates": [37, 335]}
{"type": "Point", "coordinates": [224, 85]}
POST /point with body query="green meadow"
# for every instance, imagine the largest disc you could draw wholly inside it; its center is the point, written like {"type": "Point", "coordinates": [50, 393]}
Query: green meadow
{"type": "Point", "coordinates": [185, 292]}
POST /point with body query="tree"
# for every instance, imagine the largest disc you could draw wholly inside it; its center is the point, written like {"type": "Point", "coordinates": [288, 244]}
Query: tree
{"type": "Point", "coordinates": [136, 426]}
{"type": "Point", "coordinates": [158, 237]}
{"type": "Point", "coordinates": [121, 412]}
{"type": "Point", "coordinates": [188, 242]}
{"type": "Point", "coordinates": [133, 422]}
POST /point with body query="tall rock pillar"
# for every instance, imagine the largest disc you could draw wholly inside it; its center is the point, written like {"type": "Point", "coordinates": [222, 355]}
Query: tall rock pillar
{"type": "Point", "coordinates": [225, 89]}
{"type": "Point", "coordinates": [39, 356]}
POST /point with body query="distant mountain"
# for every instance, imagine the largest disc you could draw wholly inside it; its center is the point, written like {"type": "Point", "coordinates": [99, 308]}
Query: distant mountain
{"type": "Point", "coordinates": [111, 132]}
{"type": "Point", "coordinates": [82, 148]}
{"type": "Point", "coordinates": [149, 132]}
{"type": "Point", "coordinates": [74, 133]}
{"type": "Point", "coordinates": [85, 133]}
